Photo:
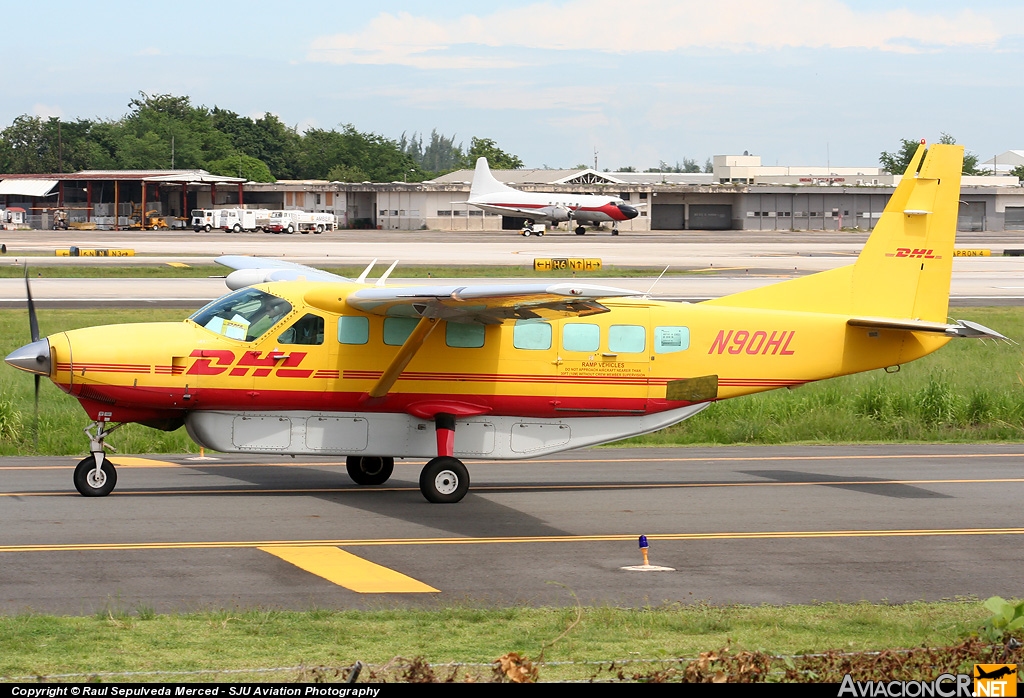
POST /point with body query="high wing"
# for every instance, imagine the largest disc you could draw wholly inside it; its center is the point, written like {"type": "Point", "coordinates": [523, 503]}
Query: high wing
{"type": "Point", "coordinates": [486, 304]}
{"type": "Point", "coordinates": [257, 270]}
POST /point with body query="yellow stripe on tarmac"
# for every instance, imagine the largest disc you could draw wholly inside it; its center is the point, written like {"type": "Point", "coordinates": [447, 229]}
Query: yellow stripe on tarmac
{"type": "Point", "coordinates": [133, 462]}
{"type": "Point", "coordinates": [348, 570]}
{"type": "Point", "coordinates": [505, 540]}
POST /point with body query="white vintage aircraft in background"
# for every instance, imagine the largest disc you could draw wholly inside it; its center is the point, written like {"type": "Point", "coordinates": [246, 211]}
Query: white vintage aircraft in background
{"type": "Point", "coordinates": [489, 194]}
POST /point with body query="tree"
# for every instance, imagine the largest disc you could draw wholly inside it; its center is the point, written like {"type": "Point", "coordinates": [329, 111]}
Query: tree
{"type": "Point", "coordinates": [241, 165]}
{"type": "Point", "coordinates": [897, 162]}
{"type": "Point", "coordinates": [497, 158]}
{"type": "Point", "coordinates": [344, 173]}
{"type": "Point", "coordinates": [1018, 172]}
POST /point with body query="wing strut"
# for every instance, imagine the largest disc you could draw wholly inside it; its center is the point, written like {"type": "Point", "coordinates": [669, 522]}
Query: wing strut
{"type": "Point", "coordinates": [412, 345]}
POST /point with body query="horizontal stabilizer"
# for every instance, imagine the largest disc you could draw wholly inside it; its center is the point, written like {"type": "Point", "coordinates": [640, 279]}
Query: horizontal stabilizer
{"type": "Point", "coordinates": [962, 328]}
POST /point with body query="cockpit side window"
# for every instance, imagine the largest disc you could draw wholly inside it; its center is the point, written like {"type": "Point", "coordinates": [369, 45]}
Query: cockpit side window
{"type": "Point", "coordinates": [245, 315]}
{"type": "Point", "coordinates": [308, 330]}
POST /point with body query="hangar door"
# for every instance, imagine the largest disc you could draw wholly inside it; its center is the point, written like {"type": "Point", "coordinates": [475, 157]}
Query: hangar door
{"type": "Point", "coordinates": [667, 217]}
{"type": "Point", "coordinates": [710, 217]}
{"type": "Point", "coordinates": [1014, 218]}
{"type": "Point", "coordinates": [971, 216]}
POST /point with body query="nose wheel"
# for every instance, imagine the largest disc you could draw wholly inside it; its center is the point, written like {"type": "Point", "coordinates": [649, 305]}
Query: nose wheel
{"type": "Point", "coordinates": [95, 475]}
{"type": "Point", "coordinates": [92, 481]}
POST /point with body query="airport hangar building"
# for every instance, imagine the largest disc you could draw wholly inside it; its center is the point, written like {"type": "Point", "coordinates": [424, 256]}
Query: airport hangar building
{"type": "Point", "coordinates": [740, 194]}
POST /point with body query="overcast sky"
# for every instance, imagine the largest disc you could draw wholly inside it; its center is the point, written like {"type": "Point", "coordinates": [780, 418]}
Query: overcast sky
{"type": "Point", "coordinates": [798, 82]}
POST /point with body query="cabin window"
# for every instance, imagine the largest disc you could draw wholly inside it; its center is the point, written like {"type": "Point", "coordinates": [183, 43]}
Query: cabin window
{"type": "Point", "coordinates": [308, 330]}
{"type": "Point", "coordinates": [398, 329]}
{"type": "Point", "coordinates": [464, 335]}
{"type": "Point", "coordinates": [627, 339]}
{"type": "Point", "coordinates": [245, 314]}
{"type": "Point", "coordinates": [353, 330]}
{"type": "Point", "coordinates": [671, 339]}
{"type": "Point", "coordinates": [580, 336]}
{"type": "Point", "coordinates": [527, 334]}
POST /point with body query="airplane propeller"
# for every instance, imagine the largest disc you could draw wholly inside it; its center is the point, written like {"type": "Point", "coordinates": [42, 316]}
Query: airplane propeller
{"type": "Point", "coordinates": [33, 326]}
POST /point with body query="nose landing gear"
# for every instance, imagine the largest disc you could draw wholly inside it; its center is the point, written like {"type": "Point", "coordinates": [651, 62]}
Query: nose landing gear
{"type": "Point", "coordinates": [95, 475]}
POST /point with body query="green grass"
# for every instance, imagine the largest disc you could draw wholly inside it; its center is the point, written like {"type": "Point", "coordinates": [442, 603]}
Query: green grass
{"type": "Point", "coordinates": [139, 640]}
{"type": "Point", "coordinates": [968, 391]}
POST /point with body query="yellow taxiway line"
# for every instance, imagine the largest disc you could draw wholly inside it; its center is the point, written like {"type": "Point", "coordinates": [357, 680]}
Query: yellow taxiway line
{"type": "Point", "coordinates": [507, 540]}
{"type": "Point", "coordinates": [537, 487]}
{"type": "Point", "coordinates": [347, 570]}
{"type": "Point", "coordinates": [152, 463]}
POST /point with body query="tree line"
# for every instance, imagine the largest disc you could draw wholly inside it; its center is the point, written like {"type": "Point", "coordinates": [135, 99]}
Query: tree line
{"type": "Point", "coordinates": [169, 132]}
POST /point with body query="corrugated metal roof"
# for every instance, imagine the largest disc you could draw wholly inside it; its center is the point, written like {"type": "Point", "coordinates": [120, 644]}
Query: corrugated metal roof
{"type": "Point", "coordinates": [27, 187]}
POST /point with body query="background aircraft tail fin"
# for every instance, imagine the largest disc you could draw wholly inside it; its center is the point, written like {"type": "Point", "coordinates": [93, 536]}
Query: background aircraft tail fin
{"type": "Point", "coordinates": [905, 266]}
{"type": "Point", "coordinates": [484, 182]}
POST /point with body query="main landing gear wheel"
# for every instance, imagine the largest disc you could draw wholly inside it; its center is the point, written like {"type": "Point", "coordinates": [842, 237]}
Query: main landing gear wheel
{"type": "Point", "coordinates": [369, 470]}
{"type": "Point", "coordinates": [91, 483]}
{"type": "Point", "coordinates": [581, 230]}
{"type": "Point", "coordinates": [444, 480]}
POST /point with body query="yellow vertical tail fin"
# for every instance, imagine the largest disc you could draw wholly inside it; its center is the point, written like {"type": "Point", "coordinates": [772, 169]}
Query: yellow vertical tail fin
{"type": "Point", "coordinates": [904, 269]}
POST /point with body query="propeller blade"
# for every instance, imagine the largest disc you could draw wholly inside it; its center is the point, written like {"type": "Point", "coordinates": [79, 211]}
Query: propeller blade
{"type": "Point", "coordinates": [35, 415]}
{"type": "Point", "coordinates": [33, 322]}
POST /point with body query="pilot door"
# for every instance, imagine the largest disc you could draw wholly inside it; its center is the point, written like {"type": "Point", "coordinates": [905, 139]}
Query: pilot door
{"type": "Point", "coordinates": [287, 372]}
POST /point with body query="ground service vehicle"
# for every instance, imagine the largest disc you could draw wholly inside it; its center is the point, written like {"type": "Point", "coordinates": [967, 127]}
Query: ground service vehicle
{"type": "Point", "coordinates": [206, 219]}
{"type": "Point", "coordinates": [237, 220]}
{"type": "Point", "coordinates": [301, 361]}
{"type": "Point", "coordinates": [293, 220]}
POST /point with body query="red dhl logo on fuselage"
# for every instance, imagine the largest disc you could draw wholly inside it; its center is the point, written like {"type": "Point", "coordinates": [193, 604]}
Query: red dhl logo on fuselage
{"type": "Point", "coordinates": [214, 362]}
{"type": "Point", "coordinates": [915, 253]}
{"type": "Point", "coordinates": [757, 342]}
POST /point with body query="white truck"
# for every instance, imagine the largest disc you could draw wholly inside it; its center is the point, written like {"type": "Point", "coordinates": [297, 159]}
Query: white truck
{"type": "Point", "coordinates": [291, 221]}
{"type": "Point", "coordinates": [206, 219]}
{"type": "Point", "coordinates": [237, 220]}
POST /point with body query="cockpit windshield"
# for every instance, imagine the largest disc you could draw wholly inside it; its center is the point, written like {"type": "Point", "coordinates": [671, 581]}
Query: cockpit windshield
{"type": "Point", "coordinates": [245, 314]}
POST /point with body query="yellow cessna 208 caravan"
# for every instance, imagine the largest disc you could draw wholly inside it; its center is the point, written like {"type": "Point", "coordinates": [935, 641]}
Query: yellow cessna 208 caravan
{"type": "Point", "coordinates": [300, 361]}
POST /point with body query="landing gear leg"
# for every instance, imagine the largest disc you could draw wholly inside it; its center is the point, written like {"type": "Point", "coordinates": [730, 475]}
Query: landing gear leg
{"type": "Point", "coordinates": [444, 480]}
{"type": "Point", "coordinates": [95, 475]}
{"type": "Point", "coordinates": [615, 230]}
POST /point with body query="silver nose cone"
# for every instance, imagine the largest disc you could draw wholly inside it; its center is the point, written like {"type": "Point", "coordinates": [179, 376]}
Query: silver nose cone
{"type": "Point", "coordinates": [34, 357]}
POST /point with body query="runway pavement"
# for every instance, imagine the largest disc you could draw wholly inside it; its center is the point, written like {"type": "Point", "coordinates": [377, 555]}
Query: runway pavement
{"type": "Point", "coordinates": [719, 264]}
{"type": "Point", "coordinates": [737, 525]}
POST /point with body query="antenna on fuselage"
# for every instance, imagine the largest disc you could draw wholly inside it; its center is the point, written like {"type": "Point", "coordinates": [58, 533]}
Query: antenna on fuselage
{"type": "Point", "coordinates": [385, 275]}
{"type": "Point", "coordinates": [648, 294]}
{"type": "Point", "coordinates": [366, 272]}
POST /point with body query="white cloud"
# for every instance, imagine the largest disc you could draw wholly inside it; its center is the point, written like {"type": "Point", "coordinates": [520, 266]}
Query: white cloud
{"type": "Point", "coordinates": [503, 96]}
{"type": "Point", "coordinates": [645, 26]}
{"type": "Point", "coordinates": [149, 51]}
{"type": "Point", "coordinates": [46, 111]}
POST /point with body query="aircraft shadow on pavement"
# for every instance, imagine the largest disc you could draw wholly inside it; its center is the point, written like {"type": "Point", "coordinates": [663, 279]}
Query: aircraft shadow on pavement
{"type": "Point", "coordinates": [473, 516]}
{"type": "Point", "coordinates": [856, 483]}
